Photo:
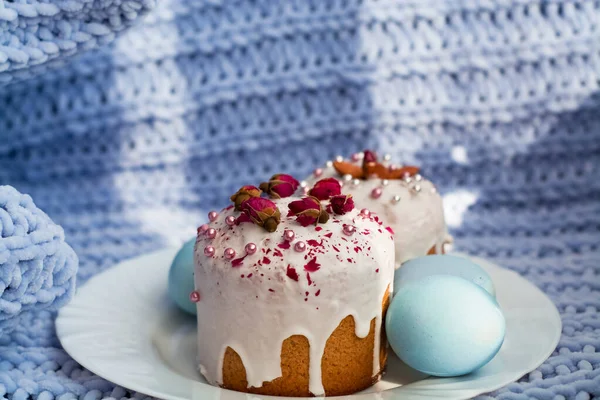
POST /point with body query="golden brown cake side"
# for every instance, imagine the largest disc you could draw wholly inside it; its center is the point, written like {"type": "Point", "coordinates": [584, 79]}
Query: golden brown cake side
{"type": "Point", "coordinates": [346, 366]}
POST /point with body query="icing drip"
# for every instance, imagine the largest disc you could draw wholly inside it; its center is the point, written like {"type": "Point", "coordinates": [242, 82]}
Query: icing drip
{"type": "Point", "coordinates": [416, 216]}
{"type": "Point", "coordinates": [377, 340]}
{"type": "Point", "coordinates": [278, 292]}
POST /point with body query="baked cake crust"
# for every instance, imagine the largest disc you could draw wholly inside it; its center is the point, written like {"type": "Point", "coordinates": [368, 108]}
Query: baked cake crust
{"type": "Point", "coordinates": [347, 363]}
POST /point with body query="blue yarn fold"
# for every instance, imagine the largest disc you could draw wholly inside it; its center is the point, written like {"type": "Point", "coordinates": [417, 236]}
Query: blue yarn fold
{"type": "Point", "coordinates": [37, 266]}
{"type": "Point", "coordinates": [35, 34]}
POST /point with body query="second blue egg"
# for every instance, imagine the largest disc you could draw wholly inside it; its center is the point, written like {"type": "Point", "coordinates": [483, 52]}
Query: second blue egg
{"type": "Point", "coordinates": [462, 267]}
{"type": "Point", "coordinates": [444, 325]}
{"type": "Point", "coordinates": [181, 277]}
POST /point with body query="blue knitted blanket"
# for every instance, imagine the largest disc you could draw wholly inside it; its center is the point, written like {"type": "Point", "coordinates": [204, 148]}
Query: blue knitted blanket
{"type": "Point", "coordinates": [129, 145]}
{"type": "Point", "coordinates": [36, 34]}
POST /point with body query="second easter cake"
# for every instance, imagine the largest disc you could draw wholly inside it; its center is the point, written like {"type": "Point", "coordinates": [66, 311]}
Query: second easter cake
{"type": "Point", "coordinates": [399, 194]}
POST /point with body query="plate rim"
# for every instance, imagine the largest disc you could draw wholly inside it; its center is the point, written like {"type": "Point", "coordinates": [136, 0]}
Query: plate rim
{"type": "Point", "coordinates": [62, 321]}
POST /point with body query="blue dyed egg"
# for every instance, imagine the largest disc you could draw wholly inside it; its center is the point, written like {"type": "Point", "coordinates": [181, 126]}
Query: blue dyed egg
{"type": "Point", "coordinates": [443, 265]}
{"type": "Point", "coordinates": [181, 277]}
{"type": "Point", "coordinates": [444, 325]}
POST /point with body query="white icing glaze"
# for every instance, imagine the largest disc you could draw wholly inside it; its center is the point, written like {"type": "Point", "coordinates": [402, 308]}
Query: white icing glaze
{"type": "Point", "coordinates": [417, 219]}
{"type": "Point", "coordinates": [254, 314]}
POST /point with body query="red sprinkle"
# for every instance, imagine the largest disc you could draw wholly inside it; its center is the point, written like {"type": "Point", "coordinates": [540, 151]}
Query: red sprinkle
{"type": "Point", "coordinates": [314, 243]}
{"type": "Point", "coordinates": [291, 273]}
{"type": "Point", "coordinates": [336, 249]}
{"type": "Point", "coordinates": [237, 262]}
{"type": "Point", "coordinates": [308, 278]}
{"type": "Point", "coordinates": [318, 292]}
{"type": "Point", "coordinates": [357, 249]}
{"type": "Point", "coordinates": [328, 234]}
{"type": "Point", "coordinates": [284, 245]}
{"type": "Point", "coordinates": [250, 275]}
{"type": "Point", "coordinates": [266, 260]}
{"type": "Point", "coordinates": [271, 290]}
{"type": "Point", "coordinates": [377, 270]}
{"type": "Point", "coordinates": [389, 229]}
{"type": "Point", "coordinates": [312, 265]}
{"type": "Point", "coordinates": [349, 260]}
{"type": "Point", "coordinates": [277, 253]}
{"type": "Point", "coordinates": [318, 228]}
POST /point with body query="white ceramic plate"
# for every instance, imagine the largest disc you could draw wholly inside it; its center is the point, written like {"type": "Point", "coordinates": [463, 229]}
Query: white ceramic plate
{"type": "Point", "coordinates": [122, 326]}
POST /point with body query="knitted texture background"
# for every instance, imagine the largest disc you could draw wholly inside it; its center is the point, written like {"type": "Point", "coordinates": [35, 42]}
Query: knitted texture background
{"type": "Point", "coordinates": [35, 34]}
{"type": "Point", "coordinates": [129, 146]}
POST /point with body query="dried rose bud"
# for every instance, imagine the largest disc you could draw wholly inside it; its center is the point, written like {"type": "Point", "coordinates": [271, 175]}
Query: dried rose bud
{"type": "Point", "coordinates": [325, 188]}
{"type": "Point", "coordinates": [243, 194]}
{"type": "Point", "coordinates": [280, 185]}
{"type": "Point", "coordinates": [242, 218]}
{"type": "Point", "coordinates": [263, 212]}
{"type": "Point", "coordinates": [370, 156]}
{"type": "Point", "coordinates": [308, 211]}
{"type": "Point", "coordinates": [323, 217]}
{"type": "Point", "coordinates": [342, 204]}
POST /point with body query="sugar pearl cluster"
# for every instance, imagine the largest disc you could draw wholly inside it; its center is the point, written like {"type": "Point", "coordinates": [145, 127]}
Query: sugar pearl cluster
{"type": "Point", "coordinates": [210, 233]}
{"type": "Point", "coordinates": [251, 248]}
{"type": "Point", "coordinates": [289, 236]}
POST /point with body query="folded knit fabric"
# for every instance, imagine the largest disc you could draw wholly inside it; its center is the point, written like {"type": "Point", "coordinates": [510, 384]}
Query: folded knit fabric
{"type": "Point", "coordinates": [34, 33]}
{"type": "Point", "coordinates": [37, 267]}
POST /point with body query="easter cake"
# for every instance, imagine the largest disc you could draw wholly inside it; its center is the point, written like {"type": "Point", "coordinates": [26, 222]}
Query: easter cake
{"type": "Point", "coordinates": [404, 199]}
{"type": "Point", "coordinates": [291, 291]}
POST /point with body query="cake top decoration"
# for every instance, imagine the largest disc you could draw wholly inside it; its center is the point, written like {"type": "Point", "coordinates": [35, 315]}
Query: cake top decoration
{"type": "Point", "coordinates": [229, 237]}
{"type": "Point", "coordinates": [307, 210]}
{"type": "Point", "coordinates": [372, 167]}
